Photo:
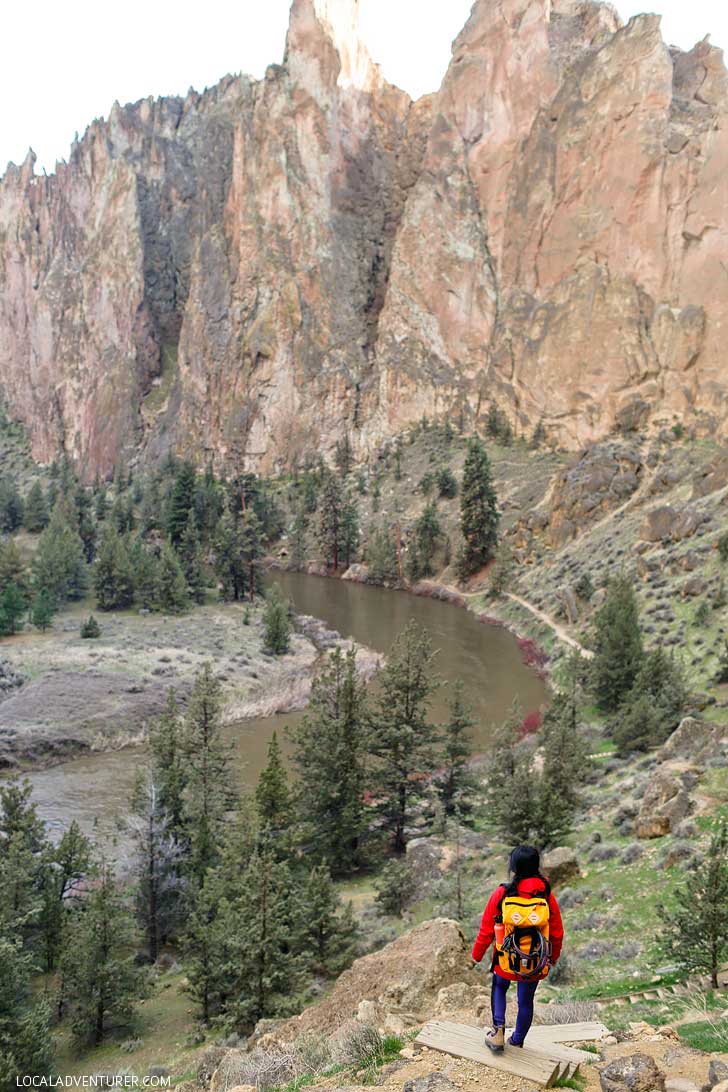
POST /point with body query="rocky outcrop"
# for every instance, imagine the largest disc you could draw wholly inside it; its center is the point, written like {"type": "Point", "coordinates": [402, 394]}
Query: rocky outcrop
{"type": "Point", "coordinates": [665, 804]}
{"type": "Point", "coordinates": [405, 977]}
{"type": "Point", "coordinates": [602, 478]}
{"type": "Point", "coordinates": [638, 1073]}
{"type": "Point", "coordinates": [248, 274]}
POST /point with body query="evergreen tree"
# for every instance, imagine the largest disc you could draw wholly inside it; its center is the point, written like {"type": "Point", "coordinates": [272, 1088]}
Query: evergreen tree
{"type": "Point", "coordinates": [276, 623]}
{"type": "Point", "coordinates": [42, 610]}
{"type": "Point", "coordinates": [330, 507]}
{"type": "Point", "coordinates": [36, 516]}
{"type": "Point", "coordinates": [563, 769]}
{"type": "Point", "coordinates": [349, 531]}
{"type": "Point", "coordinates": [309, 493]}
{"type": "Point", "coordinates": [203, 947]}
{"type": "Point", "coordinates": [501, 572]}
{"type": "Point", "coordinates": [90, 629]}
{"type": "Point", "coordinates": [695, 931]}
{"type": "Point", "coordinates": [427, 533]}
{"type": "Point", "coordinates": [447, 485]}
{"type": "Point", "coordinates": [113, 573]}
{"type": "Point", "coordinates": [12, 567]}
{"type": "Point", "coordinates": [145, 566]}
{"type": "Point", "coordinates": [208, 793]}
{"type": "Point", "coordinates": [189, 555]}
{"type": "Point", "coordinates": [12, 609]}
{"type": "Point", "coordinates": [298, 538]}
{"type": "Point", "coordinates": [381, 557]}
{"type": "Point", "coordinates": [157, 866]}
{"type": "Point", "coordinates": [455, 782]}
{"type": "Point", "coordinates": [230, 566]}
{"type": "Point", "coordinates": [652, 709]}
{"type": "Point", "coordinates": [59, 564]}
{"type": "Point", "coordinates": [330, 747]}
{"type": "Point", "coordinates": [250, 549]}
{"type": "Point", "coordinates": [101, 981]}
{"type": "Point", "coordinates": [395, 887]}
{"type": "Point", "coordinates": [512, 787]}
{"type": "Point", "coordinates": [168, 767]}
{"type": "Point", "coordinates": [26, 1046]}
{"type": "Point", "coordinates": [172, 596]}
{"type": "Point", "coordinates": [272, 795]}
{"type": "Point", "coordinates": [86, 523]}
{"type": "Point", "coordinates": [181, 501]}
{"type": "Point", "coordinates": [100, 504]}
{"type": "Point", "coordinates": [401, 736]}
{"type": "Point", "coordinates": [11, 507]}
{"type": "Point", "coordinates": [63, 869]}
{"type": "Point", "coordinates": [617, 643]}
{"type": "Point", "coordinates": [478, 510]}
{"type": "Point", "coordinates": [344, 456]}
{"type": "Point", "coordinates": [327, 930]}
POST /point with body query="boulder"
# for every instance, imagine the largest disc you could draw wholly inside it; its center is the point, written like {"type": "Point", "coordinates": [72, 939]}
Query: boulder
{"type": "Point", "coordinates": [603, 477]}
{"type": "Point", "coordinates": [561, 865]}
{"type": "Point", "coordinates": [711, 477]}
{"type": "Point", "coordinates": [403, 977]}
{"type": "Point", "coordinates": [694, 585]}
{"type": "Point", "coordinates": [665, 803]}
{"type": "Point", "coordinates": [666, 523]}
{"type": "Point", "coordinates": [717, 1071]}
{"type": "Point", "coordinates": [636, 1073]}
{"type": "Point", "coordinates": [693, 739]}
{"type": "Point", "coordinates": [458, 997]}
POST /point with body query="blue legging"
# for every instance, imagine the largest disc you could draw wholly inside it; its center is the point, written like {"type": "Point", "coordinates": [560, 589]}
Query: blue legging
{"type": "Point", "coordinates": [526, 992]}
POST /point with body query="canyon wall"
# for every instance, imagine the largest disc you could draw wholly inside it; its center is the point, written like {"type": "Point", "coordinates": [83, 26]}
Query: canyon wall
{"type": "Point", "coordinates": [247, 274]}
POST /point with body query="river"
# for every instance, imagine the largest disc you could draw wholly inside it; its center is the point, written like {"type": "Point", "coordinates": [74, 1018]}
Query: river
{"type": "Point", "coordinates": [95, 788]}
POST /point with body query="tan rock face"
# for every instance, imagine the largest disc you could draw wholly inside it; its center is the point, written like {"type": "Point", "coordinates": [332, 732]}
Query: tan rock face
{"type": "Point", "coordinates": [247, 274]}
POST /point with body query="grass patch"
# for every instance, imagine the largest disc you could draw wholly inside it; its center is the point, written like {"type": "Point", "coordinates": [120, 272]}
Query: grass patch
{"type": "Point", "coordinates": [708, 1035]}
{"type": "Point", "coordinates": [579, 1083]}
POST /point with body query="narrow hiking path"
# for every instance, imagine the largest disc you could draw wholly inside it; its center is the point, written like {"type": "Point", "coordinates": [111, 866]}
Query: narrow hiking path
{"type": "Point", "coordinates": [557, 628]}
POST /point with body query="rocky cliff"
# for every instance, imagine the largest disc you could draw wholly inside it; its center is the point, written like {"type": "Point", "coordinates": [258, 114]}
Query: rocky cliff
{"type": "Point", "coordinates": [248, 273]}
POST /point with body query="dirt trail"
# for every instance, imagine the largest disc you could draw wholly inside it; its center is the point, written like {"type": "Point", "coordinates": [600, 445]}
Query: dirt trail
{"type": "Point", "coordinates": [552, 624]}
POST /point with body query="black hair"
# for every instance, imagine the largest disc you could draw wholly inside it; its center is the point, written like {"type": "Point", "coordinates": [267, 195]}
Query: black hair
{"type": "Point", "coordinates": [525, 863]}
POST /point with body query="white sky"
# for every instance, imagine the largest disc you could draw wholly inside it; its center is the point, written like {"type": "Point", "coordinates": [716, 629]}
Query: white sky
{"type": "Point", "coordinates": [64, 62]}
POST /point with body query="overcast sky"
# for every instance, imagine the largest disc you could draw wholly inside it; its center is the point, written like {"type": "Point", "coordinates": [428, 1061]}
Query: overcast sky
{"type": "Point", "coordinates": [64, 62]}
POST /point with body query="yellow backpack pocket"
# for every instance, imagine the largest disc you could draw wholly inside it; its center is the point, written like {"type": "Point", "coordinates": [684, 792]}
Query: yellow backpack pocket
{"type": "Point", "coordinates": [526, 948]}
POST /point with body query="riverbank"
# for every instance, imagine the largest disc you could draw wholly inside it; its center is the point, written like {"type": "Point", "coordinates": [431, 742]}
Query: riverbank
{"type": "Point", "coordinates": [80, 696]}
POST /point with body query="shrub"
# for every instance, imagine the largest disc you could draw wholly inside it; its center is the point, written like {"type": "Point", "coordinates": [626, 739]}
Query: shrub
{"type": "Point", "coordinates": [356, 1045]}
{"type": "Point", "coordinates": [723, 546]}
{"type": "Point", "coordinates": [702, 614]}
{"type": "Point", "coordinates": [446, 482]}
{"type": "Point", "coordinates": [584, 586]}
{"type": "Point", "coordinates": [90, 628]}
{"type": "Point", "coordinates": [395, 887]}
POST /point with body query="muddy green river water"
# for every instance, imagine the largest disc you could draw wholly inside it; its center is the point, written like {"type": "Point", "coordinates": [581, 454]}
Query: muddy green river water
{"type": "Point", "coordinates": [94, 788]}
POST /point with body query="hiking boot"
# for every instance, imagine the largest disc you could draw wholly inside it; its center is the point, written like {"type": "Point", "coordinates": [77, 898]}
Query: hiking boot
{"type": "Point", "coordinates": [511, 1042]}
{"type": "Point", "coordinates": [494, 1040]}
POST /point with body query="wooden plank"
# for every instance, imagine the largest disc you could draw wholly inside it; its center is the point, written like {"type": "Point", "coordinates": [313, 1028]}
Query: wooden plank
{"type": "Point", "coordinates": [561, 1051]}
{"type": "Point", "coordinates": [586, 1032]}
{"type": "Point", "coordinates": [464, 1041]}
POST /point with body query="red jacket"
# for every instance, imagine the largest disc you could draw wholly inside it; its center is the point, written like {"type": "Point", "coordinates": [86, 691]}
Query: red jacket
{"type": "Point", "coordinates": [484, 939]}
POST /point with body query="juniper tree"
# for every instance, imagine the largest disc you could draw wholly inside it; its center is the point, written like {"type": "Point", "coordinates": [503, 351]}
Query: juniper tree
{"type": "Point", "coordinates": [36, 515]}
{"type": "Point", "coordinates": [330, 505]}
{"type": "Point", "coordinates": [479, 516]}
{"type": "Point", "coordinates": [327, 930]}
{"type": "Point", "coordinates": [208, 792]}
{"type": "Point", "coordinates": [329, 754]}
{"type": "Point", "coordinates": [695, 933]}
{"type": "Point", "coordinates": [617, 643]}
{"type": "Point", "coordinates": [172, 596]}
{"type": "Point", "coordinates": [113, 573]}
{"type": "Point", "coordinates": [100, 978]}
{"type": "Point", "coordinates": [276, 623]}
{"type": "Point", "coordinates": [455, 782]}
{"type": "Point", "coordinates": [401, 736]}
{"type": "Point", "coordinates": [272, 795]}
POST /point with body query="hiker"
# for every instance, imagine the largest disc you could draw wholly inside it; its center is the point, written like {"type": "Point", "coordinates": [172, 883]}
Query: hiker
{"type": "Point", "coordinates": [522, 953]}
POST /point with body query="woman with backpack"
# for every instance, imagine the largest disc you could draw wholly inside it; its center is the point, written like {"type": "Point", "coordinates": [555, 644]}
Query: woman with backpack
{"type": "Point", "coordinates": [524, 920]}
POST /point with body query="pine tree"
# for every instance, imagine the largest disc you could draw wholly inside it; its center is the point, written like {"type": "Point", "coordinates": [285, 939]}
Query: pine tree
{"type": "Point", "coordinates": [203, 947]}
{"type": "Point", "coordinates": [501, 572]}
{"type": "Point", "coordinates": [36, 510]}
{"type": "Point", "coordinates": [330, 747]}
{"type": "Point", "coordinates": [26, 1046]}
{"type": "Point", "coordinates": [100, 979]}
{"type": "Point", "coordinates": [12, 567]}
{"type": "Point", "coordinates": [181, 501]}
{"type": "Point", "coordinates": [63, 869]}
{"type": "Point", "coordinates": [298, 538]}
{"type": "Point", "coordinates": [172, 597]}
{"type": "Point", "coordinates": [617, 644]}
{"type": "Point", "coordinates": [447, 485]}
{"type": "Point", "coordinates": [272, 795]}
{"type": "Point", "coordinates": [349, 531]}
{"type": "Point", "coordinates": [330, 507]}
{"type": "Point", "coordinates": [208, 794]}
{"type": "Point", "coordinates": [189, 555]}
{"type": "Point", "coordinates": [42, 610]}
{"type": "Point", "coordinates": [344, 456]}
{"type": "Point", "coordinates": [157, 865]}
{"type": "Point", "coordinates": [90, 629]}
{"type": "Point", "coordinates": [100, 504]}
{"type": "Point", "coordinates": [230, 565]}
{"type": "Point", "coordinates": [113, 573]}
{"type": "Point", "coordinates": [427, 534]}
{"type": "Point", "coordinates": [145, 566]}
{"type": "Point", "coordinates": [395, 887]}
{"type": "Point", "coordinates": [653, 707]}
{"type": "Point", "coordinates": [455, 782]}
{"type": "Point", "coordinates": [479, 516]}
{"type": "Point", "coordinates": [327, 930]}
{"type": "Point", "coordinates": [12, 609]}
{"type": "Point", "coordinates": [276, 623]}
{"type": "Point", "coordinates": [402, 738]}
{"type": "Point", "coordinates": [251, 549]}
{"type": "Point", "coordinates": [695, 923]}
{"type": "Point", "coordinates": [563, 769]}
{"type": "Point", "coordinates": [381, 557]}
{"type": "Point", "coordinates": [512, 785]}
{"type": "Point", "coordinates": [11, 507]}
{"type": "Point", "coordinates": [168, 767]}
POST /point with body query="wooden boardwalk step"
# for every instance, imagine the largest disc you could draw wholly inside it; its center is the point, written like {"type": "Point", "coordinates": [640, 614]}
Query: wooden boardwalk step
{"type": "Point", "coordinates": [464, 1041]}
{"type": "Point", "coordinates": [588, 1031]}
